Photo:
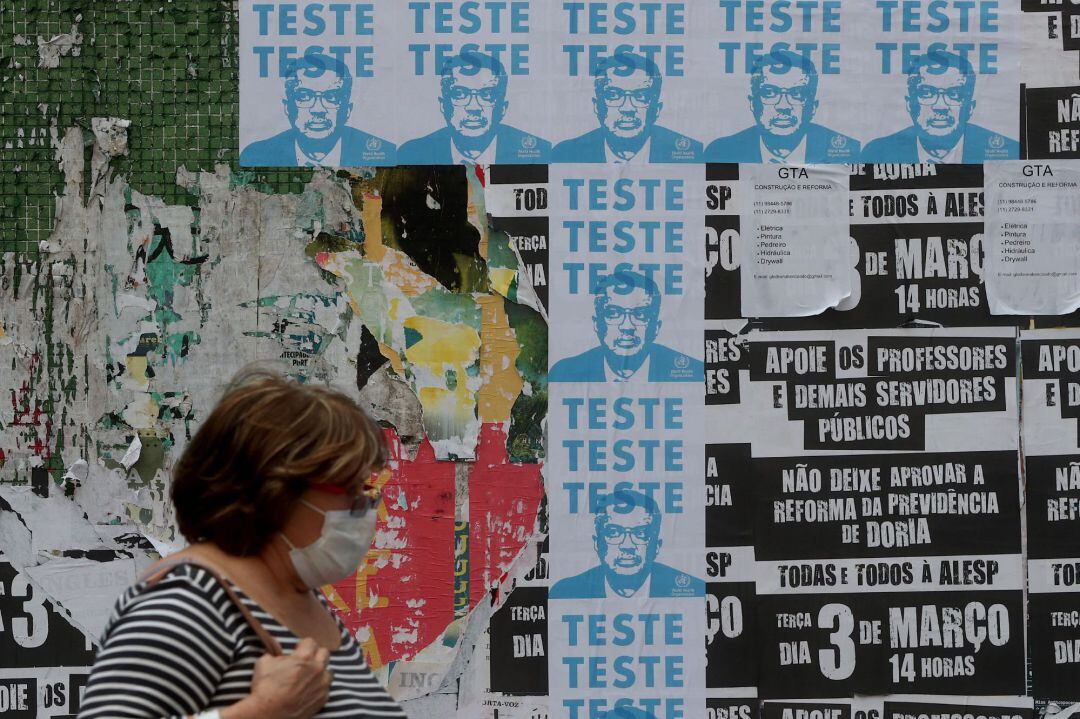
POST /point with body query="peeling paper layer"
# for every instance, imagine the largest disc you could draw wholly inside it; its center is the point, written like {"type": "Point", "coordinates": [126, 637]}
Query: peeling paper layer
{"type": "Point", "coordinates": [144, 295]}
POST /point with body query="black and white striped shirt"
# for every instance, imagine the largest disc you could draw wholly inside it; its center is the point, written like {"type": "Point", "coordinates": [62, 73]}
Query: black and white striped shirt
{"type": "Point", "coordinates": [181, 647]}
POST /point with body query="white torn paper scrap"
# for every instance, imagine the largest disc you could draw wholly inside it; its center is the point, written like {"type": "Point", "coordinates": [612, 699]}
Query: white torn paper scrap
{"type": "Point", "coordinates": [87, 589]}
{"type": "Point", "coordinates": [131, 456]}
{"type": "Point", "coordinates": [124, 300]}
{"type": "Point", "coordinates": [56, 523]}
{"type": "Point", "coordinates": [78, 471]}
{"type": "Point", "coordinates": [163, 546]}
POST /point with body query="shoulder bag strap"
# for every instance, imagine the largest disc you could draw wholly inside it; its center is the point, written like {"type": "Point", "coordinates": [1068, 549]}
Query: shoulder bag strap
{"type": "Point", "coordinates": [163, 569]}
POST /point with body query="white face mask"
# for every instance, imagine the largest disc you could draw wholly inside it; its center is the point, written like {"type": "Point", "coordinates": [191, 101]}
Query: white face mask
{"type": "Point", "coordinates": [337, 552]}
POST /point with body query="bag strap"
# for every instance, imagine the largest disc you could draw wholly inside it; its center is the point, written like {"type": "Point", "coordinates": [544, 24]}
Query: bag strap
{"type": "Point", "coordinates": [273, 648]}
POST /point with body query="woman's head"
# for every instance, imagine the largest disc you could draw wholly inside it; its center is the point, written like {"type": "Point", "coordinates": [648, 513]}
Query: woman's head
{"type": "Point", "coordinates": [269, 440]}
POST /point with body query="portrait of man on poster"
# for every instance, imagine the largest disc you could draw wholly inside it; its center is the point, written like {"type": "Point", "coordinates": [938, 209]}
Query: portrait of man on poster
{"type": "Point", "coordinates": [318, 103]}
{"type": "Point", "coordinates": [472, 99]}
{"type": "Point", "coordinates": [941, 101]}
{"type": "Point", "coordinates": [627, 540]}
{"type": "Point", "coordinates": [626, 99]}
{"type": "Point", "coordinates": [784, 100]}
{"type": "Point", "coordinates": [626, 319]}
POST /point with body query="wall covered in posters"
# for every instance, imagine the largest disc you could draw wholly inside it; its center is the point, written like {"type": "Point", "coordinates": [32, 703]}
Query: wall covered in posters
{"type": "Point", "coordinates": [724, 348]}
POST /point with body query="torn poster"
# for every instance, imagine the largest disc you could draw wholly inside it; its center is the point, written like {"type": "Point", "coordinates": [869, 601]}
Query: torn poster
{"type": "Point", "coordinates": [46, 658]}
{"type": "Point", "coordinates": [517, 205]}
{"type": "Point", "coordinates": [518, 634]}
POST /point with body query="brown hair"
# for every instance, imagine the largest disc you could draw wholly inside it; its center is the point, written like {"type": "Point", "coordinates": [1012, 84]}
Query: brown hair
{"type": "Point", "coordinates": [267, 440]}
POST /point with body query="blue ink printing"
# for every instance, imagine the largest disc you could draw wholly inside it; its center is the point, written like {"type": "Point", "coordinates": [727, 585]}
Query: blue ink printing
{"type": "Point", "coordinates": [627, 541]}
{"type": "Point", "coordinates": [472, 98]}
{"type": "Point", "coordinates": [626, 100]}
{"type": "Point", "coordinates": [318, 103]}
{"type": "Point", "coordinates": [783, 98]}
{"type": "Point", "coordinates": [626, 318]}
{"type": "Point", "coordinates": [940, 101]}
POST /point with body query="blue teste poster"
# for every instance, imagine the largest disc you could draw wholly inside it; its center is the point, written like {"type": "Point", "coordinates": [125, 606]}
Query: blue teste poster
{"type": "Point", "coordinates": [637, 82]}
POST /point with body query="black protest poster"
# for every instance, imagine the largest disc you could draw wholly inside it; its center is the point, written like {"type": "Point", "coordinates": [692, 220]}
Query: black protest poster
{"type": "Point", "coordinates": [928, 710]}
{"type": "Point", "coordinates": [1040, 5]}
{"type": "Point", "coordinates": [1070, 27]}
{"type": "Point", "coordinates": [37, 634]}
{"type": "Point", "coordinates": [76, 684]}
{"type": "Point", "coordinates": [965, 642]}
{"type": "Point", "coordinates": [1050, 360]}
{"type": "Point", "coordinates": [725, 355]}
{"type": "Point", "coordinates": [807, 710]}
{"type": "Point", "coordinates": [18, 697]}
{"type": "Point", "coordinates": [1053, 506]}
{"type": "Point", "coordinates": [722, 241]}
{"type": "Point", "coordinates": [878, 390]}
{"type": "Point", "coordinates": [729, 501]}
{"type": "Point", "coordinates": [1052, 122]}
{"type": "Point", "coordinates": [731, 639]}
{"type": "Point", "coordinates": [889, 505]}
{"type": "Point", "coordinates": [54, 692]}
{"type": "Point", "coordinates": [518, 207]}
{"type": "Point", "coordinates": [916, 234]}
{"type": "Point", "coordinates": [518, 630]}
{"type": "Point", "coordinates": [730, 599]}
{"type": "Point", "coordinates": [1054, 636]}
{"type": "Point", "coordinates": [43, 656]}
{"type": "Point", "coordinates": [916, 250]}
{"type": "Point", "coordinates": [887, 530]}
{"type": "Point", "coordinates": [732, 708]}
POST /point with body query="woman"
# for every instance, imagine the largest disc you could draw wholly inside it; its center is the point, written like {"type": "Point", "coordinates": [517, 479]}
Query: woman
{"type": "Point", "coordinates": [273, 495]}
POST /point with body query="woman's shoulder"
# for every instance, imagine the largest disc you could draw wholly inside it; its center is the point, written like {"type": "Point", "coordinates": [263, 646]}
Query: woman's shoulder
{"type": "Point", "coordinates": [179, 579]}
{"type": "Point", "coordinates": [185, 592]}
